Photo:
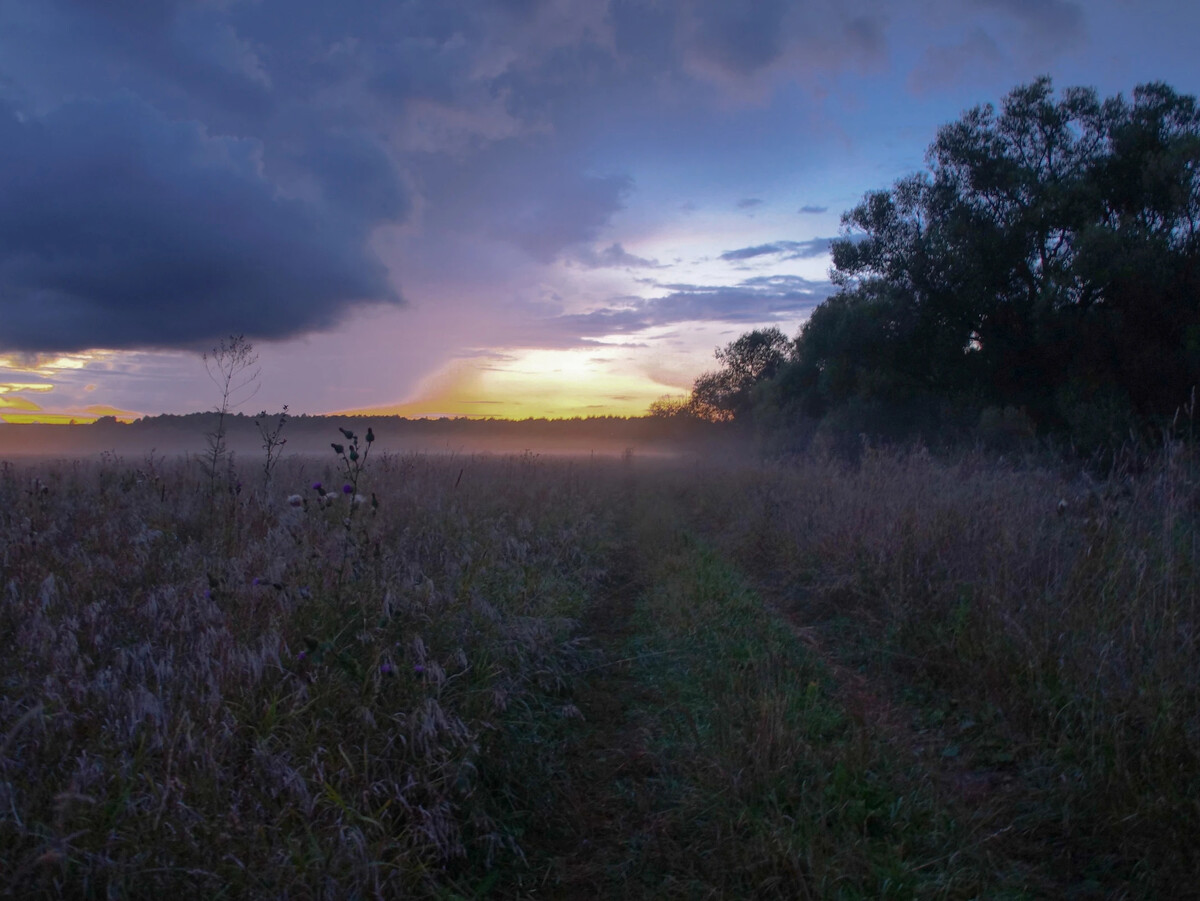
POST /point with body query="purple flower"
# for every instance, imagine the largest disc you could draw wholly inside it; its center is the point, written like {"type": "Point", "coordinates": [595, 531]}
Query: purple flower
{"type": "Point", "coordinates": [418, 668]}
{"type": "Point", "coordinates": [302, 656]}
{"type": "Point", "coordinates": [254, 581]}
{"type": "Point", "coordinates": [386, 669]}
{"type": "Point", "coordinates": [316, 486]}
{"type": "Point", "coordinates": [347, 488]}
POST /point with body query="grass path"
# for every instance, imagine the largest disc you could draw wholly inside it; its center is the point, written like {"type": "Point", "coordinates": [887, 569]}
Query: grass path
{"type": "Point", "coordinates": [721, 757]}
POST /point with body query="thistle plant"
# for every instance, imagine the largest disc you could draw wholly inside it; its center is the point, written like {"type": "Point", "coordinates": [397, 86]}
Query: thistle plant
{"type": "Point", "coordinates": [352, 461]}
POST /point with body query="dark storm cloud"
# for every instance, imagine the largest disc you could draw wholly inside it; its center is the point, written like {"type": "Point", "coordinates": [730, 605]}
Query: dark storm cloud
{"type": "Point", "coordinates": [120, 229]}
{"type": "Point", "coordinates": [786, 250]}
{"type": "Point", "coordinates": [174, 169]}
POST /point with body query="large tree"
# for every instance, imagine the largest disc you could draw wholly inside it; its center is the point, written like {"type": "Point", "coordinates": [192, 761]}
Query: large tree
{"type": "Point", "coordinates": [1046, 257]}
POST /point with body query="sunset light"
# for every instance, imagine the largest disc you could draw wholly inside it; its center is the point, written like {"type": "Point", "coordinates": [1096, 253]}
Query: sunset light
{"type": "Point", "coordinates": [533, 384]}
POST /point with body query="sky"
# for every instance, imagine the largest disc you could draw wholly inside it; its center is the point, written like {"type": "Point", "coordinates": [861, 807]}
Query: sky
{"type": "Point", "coordinates": [471, 207]}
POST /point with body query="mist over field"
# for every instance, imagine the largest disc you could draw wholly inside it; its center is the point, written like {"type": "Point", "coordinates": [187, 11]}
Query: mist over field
{"type": "Point", "coordinates": [312, 435]}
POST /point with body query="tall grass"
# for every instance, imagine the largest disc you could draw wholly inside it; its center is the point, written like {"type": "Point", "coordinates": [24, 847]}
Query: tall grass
{"type": "Point", "coordinates": [1052, 644]}
{"type": "Point", "coordinates": [910, 675]}
{"type": "Point", "coordinates": [193, 696]}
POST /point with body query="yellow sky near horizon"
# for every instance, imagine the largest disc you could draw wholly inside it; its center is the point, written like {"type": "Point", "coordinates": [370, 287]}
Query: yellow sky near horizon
{"type": "Point", "coordinates": [531, 384]}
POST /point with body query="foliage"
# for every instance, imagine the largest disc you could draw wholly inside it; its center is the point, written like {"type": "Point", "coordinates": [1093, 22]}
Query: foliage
{"type": "Point", "coordinates": [753, 358]}
{"type": "Point", "coordinates": [1050, 248]}
{"type": "Point", "coordinates": [1047, 260]}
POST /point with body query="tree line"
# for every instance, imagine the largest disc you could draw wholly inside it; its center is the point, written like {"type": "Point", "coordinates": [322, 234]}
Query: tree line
{"type": "Point", "coordinates": [1039, 274]}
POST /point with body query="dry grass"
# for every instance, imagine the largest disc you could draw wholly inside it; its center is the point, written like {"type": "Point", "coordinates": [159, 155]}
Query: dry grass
{"type": "Point", "coordinates": [333, 701]}
{"type": "Point", "coordinates": [1049, 651]}
{"type": "Point", "coordinates": [259, 700]}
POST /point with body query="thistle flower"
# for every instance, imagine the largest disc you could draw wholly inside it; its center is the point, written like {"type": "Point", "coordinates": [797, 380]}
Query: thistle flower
{"type": "Point", "coordinates": [347, 488]}
{"type": "Point", "coordinates": [316, 486]}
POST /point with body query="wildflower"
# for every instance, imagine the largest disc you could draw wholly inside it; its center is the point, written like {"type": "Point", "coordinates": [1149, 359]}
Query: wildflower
{"type": "Point", "coordinates": [418, 669]}
{"type": "Point", "coordinates": [370, 435]}
{"type": "Point", "coordinates": [303, 655]}
{"type": "Point", "coordinates": [295, 500]}
{"type": "Point", "coordinates": [316, 487]}
{"type": "Point", "coordinates": [254, 581]}
{"type": "Point", "coordinates": [347, 488]}
{"type": "Point", "coordinates": [385, 668]}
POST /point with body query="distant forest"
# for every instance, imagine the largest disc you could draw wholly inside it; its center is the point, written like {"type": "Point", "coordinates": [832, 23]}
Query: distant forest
{"type": "Point", "coordinates": [1040, 277]}
{"type": "Point", "coordinates": [188, 433]}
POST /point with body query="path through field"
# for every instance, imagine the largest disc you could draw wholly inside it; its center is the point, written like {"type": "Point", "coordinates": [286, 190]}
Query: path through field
{"type": "Point", "coordinates": [723, 753]}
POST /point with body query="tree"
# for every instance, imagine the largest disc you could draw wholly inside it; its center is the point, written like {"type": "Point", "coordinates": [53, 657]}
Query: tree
{"type": "Point", "coordinates": [753, 358]}
{"type": "Point", "coordinates": [1049, 252]}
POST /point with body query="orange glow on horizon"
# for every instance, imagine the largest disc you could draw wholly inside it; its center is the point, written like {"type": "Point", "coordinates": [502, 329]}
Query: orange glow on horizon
{"type": "Point", "coordinates": [21, 411]}
{"type": "Point", "coordinates": [534, 384]}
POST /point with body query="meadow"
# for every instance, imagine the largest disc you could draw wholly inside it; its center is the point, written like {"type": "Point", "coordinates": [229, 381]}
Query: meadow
{"type": "Point", "coordinates": [903, 675]}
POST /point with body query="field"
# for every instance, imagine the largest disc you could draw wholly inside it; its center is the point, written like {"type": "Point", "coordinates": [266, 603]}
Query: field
{"type": "Point", "coordinates": [483, 676]}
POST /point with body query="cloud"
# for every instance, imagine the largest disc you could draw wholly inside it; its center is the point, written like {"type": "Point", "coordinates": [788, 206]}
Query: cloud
{"type": "Point", "coordinates": [786, 250]}
{"type": "Point", "coordinates": [1052, 25]}
{"type": "Point", "coordinates": [123, 229]}
{"type": "Point", "coordinates": [810, 209]}
{"type": "Point", "coordinates": [756, 300]}
{"type": "Point", "coordinates": [526, 196]}
{"type": "Point", "coordinates": [973, 59]}
{"type": "Point", "coordinates": [739, 38]}
{"type": "Point", "coordinates": [744, 47]}
{"type": "Point", "coordinates": [612, 257]}
{"type": "Point", "coordinates": [749, 203]}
